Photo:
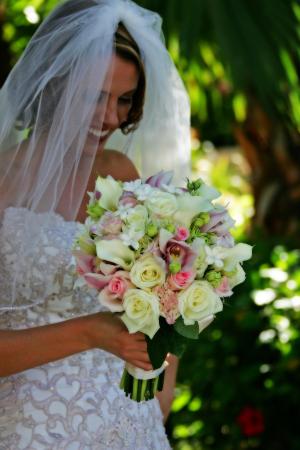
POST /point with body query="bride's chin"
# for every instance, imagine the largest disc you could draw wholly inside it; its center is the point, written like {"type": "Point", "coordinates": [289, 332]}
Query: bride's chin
{"type": "Point", "coordinates": [93, 146]}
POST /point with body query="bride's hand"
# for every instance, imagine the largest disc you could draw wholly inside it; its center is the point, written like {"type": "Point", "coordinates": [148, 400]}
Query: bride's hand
{"type": "Point", "coordinates": [107, 331]}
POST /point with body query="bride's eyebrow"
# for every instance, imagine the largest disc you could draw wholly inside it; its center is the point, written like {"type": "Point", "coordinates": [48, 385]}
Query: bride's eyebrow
{"type": "Point", "coordinates": [129, 92]}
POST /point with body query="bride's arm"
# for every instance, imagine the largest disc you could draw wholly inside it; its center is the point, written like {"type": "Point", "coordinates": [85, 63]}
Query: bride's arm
{"type": "Point", "coordinates": [24, 349]}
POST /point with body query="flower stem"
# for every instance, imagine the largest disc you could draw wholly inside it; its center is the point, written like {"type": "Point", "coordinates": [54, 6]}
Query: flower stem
{"type": "Point", "coordinates": [123, 379]}
{"type": "Point", "coordinates": [155, 384]}
{"type": "Point", "coordinates": [143, 389]}
{"type": "Point", "coordinates": [134, 395]}
{"type": "Point", "coordinates": [140, 390]}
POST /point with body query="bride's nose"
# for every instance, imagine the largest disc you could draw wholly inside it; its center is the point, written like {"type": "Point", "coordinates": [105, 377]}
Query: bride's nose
{"type": "Point", "coordinates": [111, 116]}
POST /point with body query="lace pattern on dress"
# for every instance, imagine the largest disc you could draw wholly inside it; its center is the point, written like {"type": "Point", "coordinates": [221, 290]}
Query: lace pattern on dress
{"type": "Point", "coordinates": [29, 273]}
{"type": "Point", "coordinates": [74, 403]}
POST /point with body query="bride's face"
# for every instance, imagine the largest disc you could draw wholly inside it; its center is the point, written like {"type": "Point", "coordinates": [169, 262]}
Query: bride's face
{"type": "Point", "coordinates": [115, 100]}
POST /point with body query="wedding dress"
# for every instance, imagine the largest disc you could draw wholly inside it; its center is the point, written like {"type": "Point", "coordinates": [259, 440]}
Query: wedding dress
{"type": "Point", "coordinates": [73, 403]}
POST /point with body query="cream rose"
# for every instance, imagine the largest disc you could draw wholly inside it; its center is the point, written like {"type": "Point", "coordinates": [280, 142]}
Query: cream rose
{"type": "Point", "coordinates": [162, 204]}
{"type": "Point", "coordinates": [148, 271]}
{"type": "Point", "coordinates": [197, 302]}
{"type": "Point", "coordinates": [141, 312]}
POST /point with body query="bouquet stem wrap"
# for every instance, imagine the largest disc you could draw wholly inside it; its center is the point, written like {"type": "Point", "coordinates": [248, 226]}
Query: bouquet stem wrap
{"type": "Point", "coordinates": [141, 385]}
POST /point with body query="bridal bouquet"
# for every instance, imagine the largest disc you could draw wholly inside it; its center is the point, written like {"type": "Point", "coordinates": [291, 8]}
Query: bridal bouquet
{"type": "Point", "coordinates": [163, 258]}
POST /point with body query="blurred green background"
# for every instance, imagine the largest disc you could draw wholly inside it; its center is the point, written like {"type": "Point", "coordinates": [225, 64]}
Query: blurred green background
{"type": "Point", "coordinates": [239, 385]}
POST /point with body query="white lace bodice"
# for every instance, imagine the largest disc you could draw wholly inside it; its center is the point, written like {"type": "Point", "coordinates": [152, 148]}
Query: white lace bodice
{"type": "Point", "coordinates": [74, 403]}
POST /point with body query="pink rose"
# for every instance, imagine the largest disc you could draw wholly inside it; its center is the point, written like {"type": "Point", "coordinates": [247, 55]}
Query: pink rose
{"type": "Point", "coordinates": [181, 280]}
{"type": "Point", "coordinates": [112, 294]}
{"type": "Point", "coordinates": [182, 234]}
{"type": "Point", "coordinates": [117, 286]}
{"type": "Point", "coordinates": [224, 290]}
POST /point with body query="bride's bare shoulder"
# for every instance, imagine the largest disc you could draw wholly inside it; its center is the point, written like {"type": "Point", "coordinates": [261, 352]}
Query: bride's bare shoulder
{"type": "Point", "coordinates": [116, 164]}
{"type": "Point", "coordinates": [12, 158]}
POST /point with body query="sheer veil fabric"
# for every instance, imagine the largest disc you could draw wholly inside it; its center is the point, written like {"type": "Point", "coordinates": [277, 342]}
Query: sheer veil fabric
{"type": "Point", "coordinates": [46, 108]}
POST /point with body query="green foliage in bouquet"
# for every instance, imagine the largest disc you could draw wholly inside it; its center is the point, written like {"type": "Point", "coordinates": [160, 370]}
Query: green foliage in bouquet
{"type": "Point", "coordinates": [240, 388]}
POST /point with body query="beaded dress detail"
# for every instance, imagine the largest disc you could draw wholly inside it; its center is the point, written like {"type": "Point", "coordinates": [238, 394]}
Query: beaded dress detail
{"type": "Point", "coordinates": [74, 403]}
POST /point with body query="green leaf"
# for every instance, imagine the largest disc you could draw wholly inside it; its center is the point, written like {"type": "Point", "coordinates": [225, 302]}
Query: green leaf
{"type": "Point", "coordinates": [165, 341]}
{"type": "Point", "coordinates": [188, 331]}
{"type": "Point", "coordinates": [159, 345]}
{"type": "Point", "coordinates": [177, 343]}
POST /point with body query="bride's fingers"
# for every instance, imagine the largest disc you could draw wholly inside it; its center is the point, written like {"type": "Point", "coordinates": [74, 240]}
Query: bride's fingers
{"type": "Point", "coordinates": [137, 355]}
{"type": "Point", "coordinates": [140, 345]}
{"type": "Point", "coordinates": [142, 356]}
{"type": "Point", "coordinates": [142, 365]}
{"type": "Point", "coordinates": [139, 336]}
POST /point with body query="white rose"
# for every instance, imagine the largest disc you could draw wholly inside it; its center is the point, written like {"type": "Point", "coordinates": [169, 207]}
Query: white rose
{"type": "Point", "coordinates": [111, 192]}
{"type": "Point", "coordinates": [197, 302]}
{"type": "Point", "coordinates": [148, 271]}
{"type": "Point", "coordinates": [141, 312]}
{"type": "Point", "coordinates": [162, 204]}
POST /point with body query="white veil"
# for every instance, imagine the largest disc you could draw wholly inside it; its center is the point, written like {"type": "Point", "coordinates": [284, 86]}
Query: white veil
{"type": "Point", "coordinates": [48, 101]}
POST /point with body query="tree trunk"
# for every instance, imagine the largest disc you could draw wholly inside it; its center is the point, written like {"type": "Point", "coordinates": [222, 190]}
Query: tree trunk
{"type": "Point", "coordinates": [274, 157]}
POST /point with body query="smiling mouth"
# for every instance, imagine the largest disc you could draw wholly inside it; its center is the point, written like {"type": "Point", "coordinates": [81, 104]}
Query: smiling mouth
{"type": "Point", "coordinates": [99, 134]}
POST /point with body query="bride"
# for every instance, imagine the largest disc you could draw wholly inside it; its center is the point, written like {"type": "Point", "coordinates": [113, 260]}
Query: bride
{"type": "Point", "coordinates": [94, 67]}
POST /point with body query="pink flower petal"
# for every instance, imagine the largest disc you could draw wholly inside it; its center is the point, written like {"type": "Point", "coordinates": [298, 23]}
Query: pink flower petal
{"type": "Point", "coordinates": [128, 199]}
{"type": "Point", "coordinates": [97, 280]}
{"type": "Point", "coordinates": [160, 178]}
{"type": "Point", "coordinates": [224, 290]}
{"type": "Point", "coordinates": [108, 269]}
{"type": "Point", "coordinates": [164, 238]}
{"type": "Point", "coordinates": [181, 280]}
{"type": "Point", "coordinates": [84, 262]}
{"type": "Point", "coordinates": [215, 218]}
{"type": "Point", "coordinates": [182, 233]}
{"type": "Point", "coordinates": [112, 301]}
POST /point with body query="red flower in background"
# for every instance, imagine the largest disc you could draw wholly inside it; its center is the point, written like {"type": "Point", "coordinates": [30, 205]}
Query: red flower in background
{"type": "Point", "coordinates": [251, 421]}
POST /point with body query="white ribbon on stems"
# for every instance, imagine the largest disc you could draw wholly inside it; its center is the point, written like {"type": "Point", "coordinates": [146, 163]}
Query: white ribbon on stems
{"type": "Point", "coordinates": [141, 374]}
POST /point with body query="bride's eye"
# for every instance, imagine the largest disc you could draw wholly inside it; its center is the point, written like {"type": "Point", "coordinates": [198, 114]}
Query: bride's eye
{"type": "Point", "coordinates": [126, 100]}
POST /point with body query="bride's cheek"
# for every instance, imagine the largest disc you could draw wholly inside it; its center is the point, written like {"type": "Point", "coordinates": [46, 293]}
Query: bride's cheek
{"type": "Point", "coordinates": [124, 111]}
